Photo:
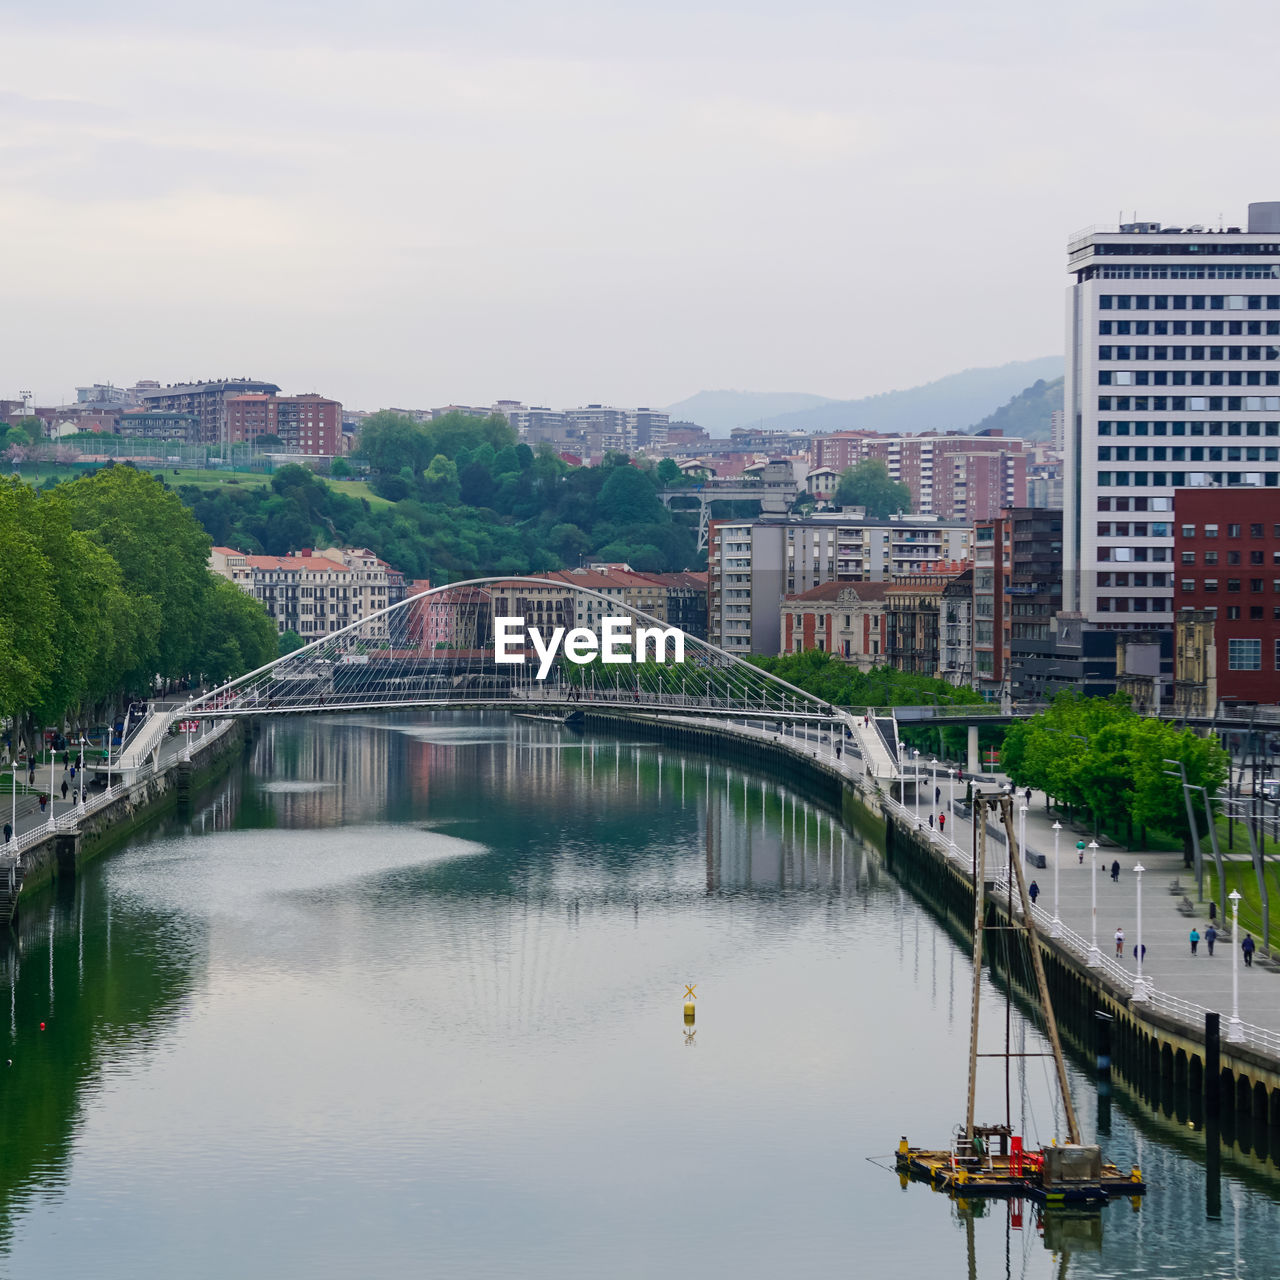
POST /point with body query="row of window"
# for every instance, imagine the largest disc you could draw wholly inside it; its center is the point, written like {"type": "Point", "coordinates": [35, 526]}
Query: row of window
{"type": "Point", "coordinates": [1138, 604]}
{"type": "Point", "coordinates": [1108, 351]}
{"type": "Point", "coordinates": [1189, 378]}
{"type": "Point", "coordinates": [1123, 453]}
{"type": "Point", "coordinates": [1140, 555]}
{"type": "Point", "coordinates": [1256, 585]}
{"type": "Point", "coordinates": [1135, 580]}
{"type": "Point", "coordinates": [1188, 302]}
{"type": "Point", "coordinates": [1108, 428]}
{"type": "Point", "coordinates": [1194, 404]}
{"type": "Point", "coordinates": [1256, 530]}
{"type": "Point", "coordinates": [1135, 529]}
{"type": "Point", "coordinates": [1187, 328]}
{"type": "Point", "coordinates": [1256, 558]}
{"type": "Point", "coordinates": [1257, 613]}
{"type": "Point", "coordinates": [1183, 479]}
{"type": "Point", "coordinates": [1135, 504]}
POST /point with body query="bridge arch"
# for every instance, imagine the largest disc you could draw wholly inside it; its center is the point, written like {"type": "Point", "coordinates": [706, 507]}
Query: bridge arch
{"type": "Point", "coordinates": [437, 649]}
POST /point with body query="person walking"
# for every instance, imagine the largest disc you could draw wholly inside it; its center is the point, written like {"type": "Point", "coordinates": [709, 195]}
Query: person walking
{"type": "Point", "coordinates": [1247, 947]}
{"type": "Point", "coordinates": [930, 819]}
{"type": "Point", "coordinates": [1080, 851]}
{"type": "Point", "coordinates": [1195, 939]}
{"type": "Point", "coordinates": [942, 823]}
{"type": "Point", "coordinates": [64, 788]}
{"type": "Point", "coordinates": [1210, 937]}
{"type": "Point", "coordinates": [1144, 953]}
{"type": "Point", "coordinates": [1115, 870]}
{"type": "Point", "coordinates": [1213, 915]}
{"type": "Point", "coordinates": [1028, 797]}
{"type": "Point", "coordinates": [1033, 892]}
{"type": "Point", "coordinates": [1119, 942]}
{"type": "Point", "coordinates": [8, 833]}
{"type": "Point", "coordinates": [44, 800]}
{"type": "Point", "coordinates": [937, 795]}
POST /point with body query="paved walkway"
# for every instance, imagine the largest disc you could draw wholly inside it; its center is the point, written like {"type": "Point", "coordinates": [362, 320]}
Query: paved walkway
{"type": "Point", "coordinates": [1202, 979]}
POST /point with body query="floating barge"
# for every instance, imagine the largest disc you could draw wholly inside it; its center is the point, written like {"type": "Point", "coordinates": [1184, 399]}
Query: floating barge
{"type": "Point", "coordinates": [989, 1160]}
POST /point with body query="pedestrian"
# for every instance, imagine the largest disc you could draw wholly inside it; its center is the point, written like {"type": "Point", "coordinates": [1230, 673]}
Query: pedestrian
{"type": "Point", "coordinates": [930, 821]}
{"type": "Point", "coordinates": [1144, 953]}
{"type": "Point", "coordinates": [44, 800]}
{"type": "Point", "coordinates": [1115, 870]}
{"type": "Point", "coordinates": [1195, 939]}
{"type": "Point", "coordinates": [1080, 851]}
{"type": "Point", "coordinates": [1034, 892]}
{"type": "Point", "coordinates": [942, 823]}
{"type": "Point", "coordinates": [73, 773]}
{"type": "Point", "coordinates": [1028, 797]}
{"type": "Point", "coordinates": [64, 788]}
{"type": "Point", "coordinates": [31, 775]}
{"type": "Point", "coordinates": [8, 833]}
{"type": "Point", "coordinates": [1213, 915]}
{"type": "Point", "coordinates": [1247, 947]}
{"type": "Point", "coordinates": [1210, 937]}
{"type": "Point", "coordinates": [66, 758]}
{"type": "Point", "coordinates": [1119, 942]}
{"type": "Point", "coordinates": [937, 795]}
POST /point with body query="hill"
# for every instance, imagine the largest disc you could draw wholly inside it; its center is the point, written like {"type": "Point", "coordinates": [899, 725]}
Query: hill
{"type": "Point", "coordinates": [952, 403]}
{"type": "Point", "coordinates": [1028, 413]}
{"type": "Point", "coordinates": [720, 411]}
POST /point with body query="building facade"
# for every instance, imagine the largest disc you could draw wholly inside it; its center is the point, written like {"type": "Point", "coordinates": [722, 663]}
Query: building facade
{"type": "Point", "coordinates": [845, 619]}
{"type": "Point", "coordinates": [753, 564]}
{"type": "Point", "coordinates": [1227, 548]}
{"type": "Point", "coordinates": [206, 401]}
{"type": "Point", "coordinates": [1173, 381]}
{"type": "Point", "coordinates": [309, 424]}
{"type": "Point", "coordinates": [183, 428]}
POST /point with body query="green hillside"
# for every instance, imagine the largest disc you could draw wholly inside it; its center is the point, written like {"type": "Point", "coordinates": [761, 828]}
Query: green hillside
{"type": "Point", "coordinates": [1028, 413]}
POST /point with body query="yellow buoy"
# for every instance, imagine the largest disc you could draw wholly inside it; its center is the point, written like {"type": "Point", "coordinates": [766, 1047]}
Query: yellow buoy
{"type": "Point", "coordinates": [688, 1010]}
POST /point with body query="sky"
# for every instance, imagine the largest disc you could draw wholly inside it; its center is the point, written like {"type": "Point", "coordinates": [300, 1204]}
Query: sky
{"type": "Point", "coordinates": [412, 203]}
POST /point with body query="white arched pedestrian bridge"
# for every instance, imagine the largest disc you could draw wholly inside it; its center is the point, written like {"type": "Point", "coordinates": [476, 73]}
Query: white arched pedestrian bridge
{"type": "Point", "coordinates": [444, 648]}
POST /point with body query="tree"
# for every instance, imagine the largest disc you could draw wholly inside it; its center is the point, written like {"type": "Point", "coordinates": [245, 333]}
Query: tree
{"type": "Point", "coordinates": [237, 635]}
{"type": "Point", "coordinates": [27, 606]}
{"type": "Point", "coordinates": [391, 441]}
{"type": "Point", "coordinates": [340, 469]}
{"type": "Point", "coordinates": [440, 481]}
{"type": "Point", "coordinates": [668, 472]}
{"type": "Point", "coordinates": [628, 497]}
{"type": "Point", "coordinates": [869, 485]}
{"type": "Point", "coordinates": [268, 441]}
{"type": "Point", "coordinates": [290, 642]}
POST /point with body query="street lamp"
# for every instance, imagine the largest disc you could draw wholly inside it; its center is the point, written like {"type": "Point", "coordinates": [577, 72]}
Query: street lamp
{"type": "Point", "coordinates": [1095, 956]}
{"type": "Point", "coordinates": [1022, 832]}
{"type": "Point", "coordinates": [1235, 1031]}
{"type": "Point", "coordinates": [1139, 986]}
{"type": "Point", "coordinates": [951, 805]}
{"type": "Point", "coordinates": [1056, 927]}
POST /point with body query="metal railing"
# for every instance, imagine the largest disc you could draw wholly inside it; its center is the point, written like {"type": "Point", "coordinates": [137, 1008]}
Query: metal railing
{"type": "Point", "coordinates": [1185, 1012]}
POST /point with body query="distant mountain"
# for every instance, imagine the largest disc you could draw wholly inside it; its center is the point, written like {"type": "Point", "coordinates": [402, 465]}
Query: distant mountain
{"type": "Point", "coordinates": [952, 403]}
{"type": "Point", "coordinates": [720, 411]}
{"type": "Point", "coordinates": [1027, 414]}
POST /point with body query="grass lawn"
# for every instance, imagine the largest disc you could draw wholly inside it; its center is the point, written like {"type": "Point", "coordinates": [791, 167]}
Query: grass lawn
{"type": "Point", "coordinates": [1242, 878]}
{"type": "Point", "coordinates": [1270, 844]}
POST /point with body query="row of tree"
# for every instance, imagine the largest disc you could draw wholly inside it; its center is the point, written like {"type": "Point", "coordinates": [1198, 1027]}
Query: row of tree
{"type": "Point", "coordinates": [107, 591]}
{"type": "Point", "coordinates": [1099, 756]}
{"type": "Point", "coordinates": [843, 685]}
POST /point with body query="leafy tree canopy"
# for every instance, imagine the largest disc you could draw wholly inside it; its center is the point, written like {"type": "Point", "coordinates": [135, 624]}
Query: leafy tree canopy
{"type": "Point", "coordinates": [869, 485]}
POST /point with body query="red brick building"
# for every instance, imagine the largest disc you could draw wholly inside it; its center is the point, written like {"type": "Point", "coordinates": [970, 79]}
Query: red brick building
{"type": "Point", "coordinates": [843, 618]}
{"type": "Point", "coordinates": [1227, 559]}
{"type": "Point", "coordinates": [307, 423]}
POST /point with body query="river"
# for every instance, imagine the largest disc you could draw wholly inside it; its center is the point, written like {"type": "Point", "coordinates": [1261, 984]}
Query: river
{"type": "Point", "coordinates": [403, 997]}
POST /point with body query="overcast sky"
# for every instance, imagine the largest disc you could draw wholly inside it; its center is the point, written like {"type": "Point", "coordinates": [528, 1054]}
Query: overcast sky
{"type": "Point", "coordinates": [411, 202]}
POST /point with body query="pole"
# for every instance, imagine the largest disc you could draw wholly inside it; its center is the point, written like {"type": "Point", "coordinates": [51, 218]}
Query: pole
{"type": "Point", "coordinates": [1139, 986]}
{"type": "Point", "coordinates": [1213, 840]}
{"type": "Point", "coordinates": [1057, 923]}
{"type": "Point", "coordinates": [1022, 830]}
{"type": "Point", "coordinates": [1235, 1031]}
{"type": "Point", "coordinates": [53, 756]}
{"type": "Point", "coordinates": [1095, 956]}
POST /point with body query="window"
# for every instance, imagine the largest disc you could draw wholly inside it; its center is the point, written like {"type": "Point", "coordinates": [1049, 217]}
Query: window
{"type": "Point", "coordinates": [1255, 531]}
{"type": "Point", "coordinates": [1233, 531]}
{"type": "Point", "coordinates": [1244, 655]}
{"type": "Point", "coordinates": [1188, 531]}
{"type": "Point", "coordinates": [1211, 531]}
{"type": "Point", "coordinates": [1188, 557]}
{"type": "Point", "coordinates": [1233, 613]}
{"type": "Point", "coordinates": [1211, 557]}
{"type": "Point", "coordinates": [1277, 657]}
{"type": "Point", "coordinates": [1188, 584]}
{"type": "Point", "coordinates": [1211, 584]}
{"type": "Point", "coordinates": [1233, 584]}
{"type": "Point", "coordinates": [1255, 585]}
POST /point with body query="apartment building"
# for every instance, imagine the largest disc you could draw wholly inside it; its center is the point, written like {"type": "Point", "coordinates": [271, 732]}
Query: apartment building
{"type": "Point", "coordinates": [315, 593]}
{"type": "Point", "coordinates": [181, 428]}
{"type": "Point", "coordinates": [1173, 382]}
{"type": "Point", "coordinates": [310, 424]}
{"type": "Point", "coordinates": [913, 607]}
{"type": "Point", "coordinates": [953, 475]}
{"type": "Point", "coordinates": [206, 401]}
{"type": "Point", "coordinates": [753, 564]}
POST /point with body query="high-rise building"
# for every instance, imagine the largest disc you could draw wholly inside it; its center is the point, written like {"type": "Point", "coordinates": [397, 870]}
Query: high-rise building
{"type": "Point", "coordinates": [1173, 380]}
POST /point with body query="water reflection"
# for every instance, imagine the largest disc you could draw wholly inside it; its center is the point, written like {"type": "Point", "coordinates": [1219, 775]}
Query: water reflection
{"type": "Point", "coordinates": [405, 995]}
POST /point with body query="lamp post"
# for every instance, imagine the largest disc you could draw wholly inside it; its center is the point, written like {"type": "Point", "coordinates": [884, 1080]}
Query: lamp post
{"type": "Point", "coordinates": [53, 756]}
{"type": "Point", "coordinates": [1056, 927]}
{"type": "Point", "coordinates": [1235, 1031]}
{"type": "Point", "coordinates": [1095, 956]}
{"type": "Point", "coordinates": [951, 805]}
{"type": "Point", "coordinates": [1022, 831]}
{"type": "Point", "coordinates": [1139, 985]}
{"type": "Point", "coordinates": [933, 774]}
